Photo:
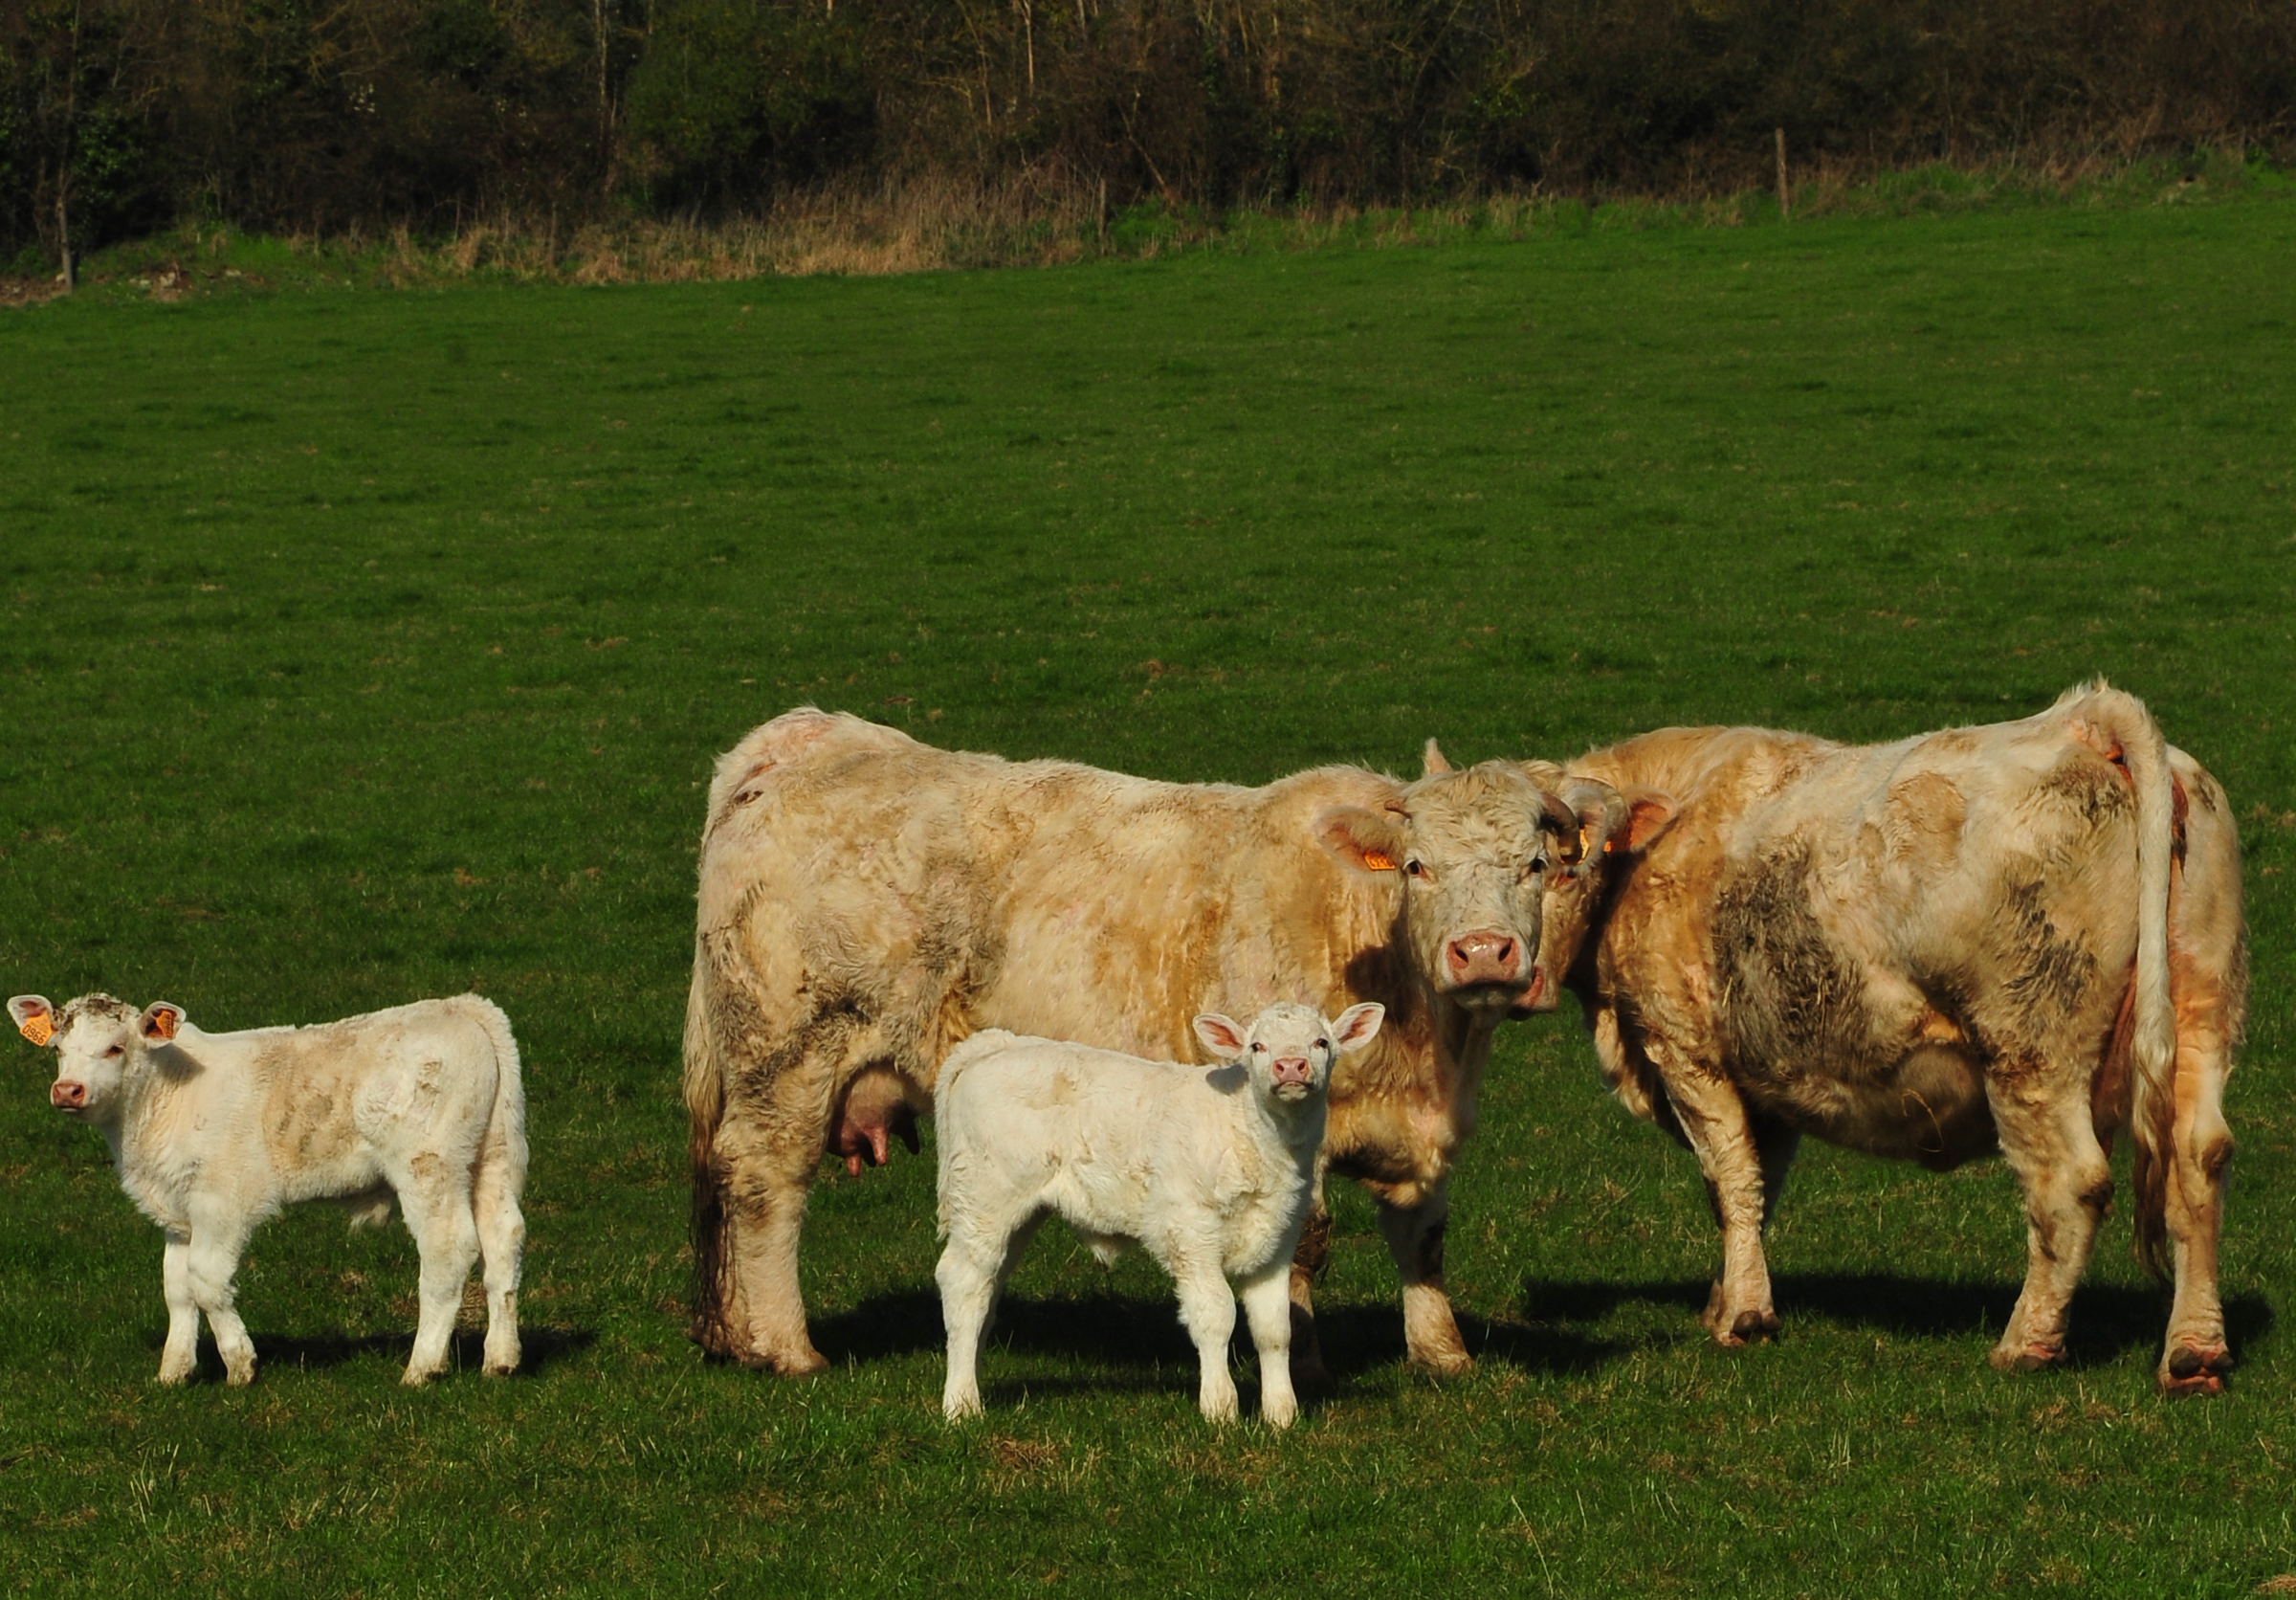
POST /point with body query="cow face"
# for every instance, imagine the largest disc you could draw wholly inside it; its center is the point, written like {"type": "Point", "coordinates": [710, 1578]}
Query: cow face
{"type": "Point", "coordinates": [1288, 1051]}
{"type": "Point", "coordinates": [1615, 827]}
{"type": "Point", "coordinates": [1474, 850]}
{"type": "Point", "coordinates": [100, 1043]}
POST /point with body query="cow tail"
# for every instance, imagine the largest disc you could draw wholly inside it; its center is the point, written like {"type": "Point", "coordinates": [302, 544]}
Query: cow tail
{"type": "Point", "coordinates": [704, 1082]}
{"type": "Point", "coordinates": [506, 1144]}
{"type": "Point", "coordinates": [2152, 1030]}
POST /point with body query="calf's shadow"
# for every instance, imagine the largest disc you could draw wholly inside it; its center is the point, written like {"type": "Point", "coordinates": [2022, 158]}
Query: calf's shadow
{"type": "Point", "coordinates": [539, 1349]}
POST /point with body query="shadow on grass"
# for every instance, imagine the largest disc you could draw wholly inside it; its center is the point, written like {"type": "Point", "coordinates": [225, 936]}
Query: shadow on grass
{"type": "Point", "coordinates": [2108, 1319]}
{"type": "Point", "coordinates": [538, 1348]}
{"type": "Point", "coordinates": [1123, 1332]}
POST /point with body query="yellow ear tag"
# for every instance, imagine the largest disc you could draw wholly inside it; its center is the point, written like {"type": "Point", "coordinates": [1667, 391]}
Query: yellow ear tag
{"type": "Point", "coordinates": [1377, 861]}
{"type": "Point", "coordinates": [37, 1027]}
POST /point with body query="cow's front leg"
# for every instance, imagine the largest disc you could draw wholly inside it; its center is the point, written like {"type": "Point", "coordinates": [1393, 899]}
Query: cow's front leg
{"type": "Point", "coordinates": [1414, 1236]}
{"type": "Point", "coordinates": [181, 1353]}
{"type": "Point", "coordinates": [1207, 1306]}
{"type": "Point", "coordinates": [1714, 1123]}
{"type": "Point", "coordinates": [2050, 1144]}
{"type": "Point", "coordinates": [211, 1262]}
{"type": "Point", "coordinates": [1267, 1310]}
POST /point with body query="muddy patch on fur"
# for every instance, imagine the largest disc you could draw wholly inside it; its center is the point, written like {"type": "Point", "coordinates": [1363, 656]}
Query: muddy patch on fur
{"type": "Point", "coordinates": [2054, 974]}
{"type": "Point", "coordinates": [1786, 988]}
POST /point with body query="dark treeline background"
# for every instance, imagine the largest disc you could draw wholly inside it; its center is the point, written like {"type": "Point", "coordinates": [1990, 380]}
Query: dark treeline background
{"type": "Point", "coordinates": [327, 115]}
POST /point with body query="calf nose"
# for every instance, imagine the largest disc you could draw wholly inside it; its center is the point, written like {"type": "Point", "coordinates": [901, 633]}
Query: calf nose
{"type": "Point", "coordinates": [1486, 956]}
{"type": "Point", "coordinates": [1290, 1069]}
{"type": "Point", "coordinates": [67, 1096]}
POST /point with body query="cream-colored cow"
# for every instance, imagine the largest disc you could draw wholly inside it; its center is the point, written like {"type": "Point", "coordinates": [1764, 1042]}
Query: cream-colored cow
{"type": "Point", "coordinates": [2019, 937]}
{"type": "Point", "coordinates": [1211, 1171]}
{"type": "Point", "coordinates": [867, 902]}
{"type": "Point", "coordinates": [213, 1133]}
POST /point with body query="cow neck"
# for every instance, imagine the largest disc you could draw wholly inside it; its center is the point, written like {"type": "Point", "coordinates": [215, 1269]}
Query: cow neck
{"type": "Point", "coordinates": [147, 1100]}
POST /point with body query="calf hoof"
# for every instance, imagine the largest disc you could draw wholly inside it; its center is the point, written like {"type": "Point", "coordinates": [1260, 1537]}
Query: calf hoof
{"type": "Point", "coordinates": [2190, 1370]}
{"type": "Point", "coordinates": [494, 1369]}
{"type": "Point", "coordinates": [2025, 1358]}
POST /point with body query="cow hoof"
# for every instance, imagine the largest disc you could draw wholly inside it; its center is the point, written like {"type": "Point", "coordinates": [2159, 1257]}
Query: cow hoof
{"type": "Point", "coordinates": [2190, 1370]}
{"type": "Point", "coordinates": [1754, 1325]}
{"type": "Point", "coordinates": [1711, 1319]}
{"type": "Point", "coordinates": [2025, 1358]}
{"type": "Point", "coordinates": [1443, 1364]}
{"type": "Point", "coordinates": [803, 1364]}
{"type": "Point", "coordinates": [2197, 1387]}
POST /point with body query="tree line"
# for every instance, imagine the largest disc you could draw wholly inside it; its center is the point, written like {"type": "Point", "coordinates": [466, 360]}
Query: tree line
{"type": "Point", "coordinates": [117, 117]}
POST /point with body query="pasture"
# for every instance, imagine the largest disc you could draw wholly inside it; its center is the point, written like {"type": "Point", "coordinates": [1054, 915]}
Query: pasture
{"type": "Point", "coordinates": [364, 646]}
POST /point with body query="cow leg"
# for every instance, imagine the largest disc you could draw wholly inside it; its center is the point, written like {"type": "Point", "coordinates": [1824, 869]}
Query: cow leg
{"type": "Point", "coordinates": [1307, 1266]}
{"type": "Point", "coordinates": [2051, 1144]}
{"type": "Point", "coordinates": [768, 1149]}
{"type": "Point", "coordinates": [501, 1242]}
{"type": "Point", "coordinates": [1414, 1236]}
{"type": "Point", "coordinates": [180, 1355]}
{"type": "Point", "coordinates": [971, 1271]}
{"type": "Point", "coordinates": [438, 1214]}
{"type": "Point", "coordinates": [211, 1262]}
{"type": "Point", "coordinates": [1207, 1308]}
{"type": "Point", "coordinates": [1740, 1182]}
{"type": "Point", "coordinates": [2196, 1356]}
{"type": "Point", "coordinates": [1267, 1310]}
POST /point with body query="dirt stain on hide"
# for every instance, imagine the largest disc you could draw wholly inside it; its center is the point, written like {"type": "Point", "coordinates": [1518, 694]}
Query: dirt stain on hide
{"type": "Point", "coordinates": [2088, 786]}
{"type": "Point", "coordinates": [2054, 974]}
{"type": "Point", "coordinates": [1787, 990]}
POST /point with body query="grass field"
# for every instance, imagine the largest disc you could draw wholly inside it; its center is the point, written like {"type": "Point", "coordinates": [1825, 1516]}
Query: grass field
{"type": "Point", "coordinates": [361, 646]}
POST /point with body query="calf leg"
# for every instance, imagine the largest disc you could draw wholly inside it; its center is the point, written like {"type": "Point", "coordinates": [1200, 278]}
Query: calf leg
{"type": "Point", "coordinates": [1740, 1181]}
{"type": "Point", "coordinates": [446, 1238]}
{"type": "Point", "coordinates": [1207, 1310]}
{"type": "Point", "coordinates": [1414, 1236]}
{"type": "Point", "coordinates": [503, 1243]}
{"type": "Point", "coordinates": [1267, 1310]}
{"type": "Point", "coordinates": [2051, 1144]}
{"type": "Point", "coordinates": [973, 1268]}
{"type": "Point", "coordinates": [181, 1353]}
{"type": "Point", "coordinates": [211, 1262]}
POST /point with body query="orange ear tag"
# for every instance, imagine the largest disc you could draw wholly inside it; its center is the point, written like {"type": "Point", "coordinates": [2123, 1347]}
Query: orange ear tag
{"type": "Point", "coordinates": [163, 1024]}
{"type": "Point", "coordinates": [1376, 861]}
{"type": "Point", "coordinates": [37, 1027]}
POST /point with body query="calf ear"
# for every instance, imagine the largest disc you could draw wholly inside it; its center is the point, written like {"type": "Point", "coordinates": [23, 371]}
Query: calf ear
{"type": "Point", "coordinates": [1649, 812]}
{"type": "Point", "coordinates": [1431, 761]}
{"type": "Point", "coordinates": [1220, 1035]}
{"type": "Point", "coordinates": [1358, 1025]}
{"type": "Point", "coordinates": [1364, 840]}
{"type": "Point", "coordinates": [36, 1018]}
{"type": "Point", "coordinates": [160, 1021]}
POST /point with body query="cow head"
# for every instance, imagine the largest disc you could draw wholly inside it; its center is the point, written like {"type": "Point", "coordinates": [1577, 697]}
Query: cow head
{"type": "Point", "coordinates": [1615, 826]}
{"type": "Point", "coordinates": [1474, 850]}
{"type": "Point", "coordinates": [1288, 1051]}
{"type": "Point", "coordinates": [100, 1045]}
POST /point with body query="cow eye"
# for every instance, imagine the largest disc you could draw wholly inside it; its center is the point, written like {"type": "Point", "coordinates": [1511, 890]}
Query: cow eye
{"type": "Point", "coordinates": [1323, 1044]}
{"type": "Point", "coordinates": [1415, 869]}
{"type": "Point", "coordinates": [1259, 1050]}
{"type": "Point", "coordinates": [114, 1051]}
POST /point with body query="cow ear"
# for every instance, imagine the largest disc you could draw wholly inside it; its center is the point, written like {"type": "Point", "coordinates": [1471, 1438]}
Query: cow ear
{"type": "Point", "coordinates": [1432, 762]}
{"type": "Point", "coordinates": [1364, 840]}
{"type": "Point", "coordinates": [36, 1018]}
{"type": "Point", "coordinates": [1220, 1035]}
{"type": "Point", "coordinates": [160, 1021]}
{"type": "Point", "coordinates": [1649, 812]}
{"type": "Point", "coordinates": [1358, 1025]}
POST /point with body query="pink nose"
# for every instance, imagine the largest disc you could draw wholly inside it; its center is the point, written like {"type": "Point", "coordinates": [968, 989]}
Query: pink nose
{"type": "Point", "coordinates": [67, 1096]}
{"type": "Point", "coordinates": [1488, 957]}
{"type": "Point", "coordinates": [1290, 1069]}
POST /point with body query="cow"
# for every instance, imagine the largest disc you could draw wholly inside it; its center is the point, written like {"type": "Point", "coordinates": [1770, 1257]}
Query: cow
{"type": "Point", "coordinates": [1211, 1172]}
{"type": "Point", "coordinates": [214, 1133]}
{"type": "Point", "coordinates": [867, 902]}
{"type": "Point", "coordinates": [2021, 937]}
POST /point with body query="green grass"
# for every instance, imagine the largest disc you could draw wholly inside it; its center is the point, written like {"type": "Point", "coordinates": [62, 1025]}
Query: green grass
{"type": "Point", "coordinates": [358, 647]}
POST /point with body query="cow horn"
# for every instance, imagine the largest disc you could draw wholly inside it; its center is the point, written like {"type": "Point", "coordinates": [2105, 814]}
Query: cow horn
{"type": "Point", "coordinates": [1599, 811]}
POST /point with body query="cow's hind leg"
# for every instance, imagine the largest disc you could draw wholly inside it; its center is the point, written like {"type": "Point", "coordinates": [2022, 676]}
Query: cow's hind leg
{"type": "Point", "coordinates": [439, 1215]}
{"type": "Point", "coordinates": [2197, 1357]}
{"type": "Point", "coordinates": [1414, 1235]}
{"type": "Point", "coordinates": [2051, 1144]}
{"type": "Point", "coordinates": [501, 1244]}
{"type": "Point", "coordinates": [980, 1256]}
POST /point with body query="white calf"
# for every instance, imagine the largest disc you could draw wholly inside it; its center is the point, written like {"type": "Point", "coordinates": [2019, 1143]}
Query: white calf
{"type": "Point", "coordinates": [1210, 1169]}
{"type": "Point", "coordinates": [215, 1132]}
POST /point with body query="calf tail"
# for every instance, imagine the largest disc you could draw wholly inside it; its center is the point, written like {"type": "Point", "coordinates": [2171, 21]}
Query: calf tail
{"type": "Point", "coordinates": [504, 1151]}
{"type": "Point", "coordinates": [704, 1082]}
{"type": "Point", "coordinates": [2133, 741]}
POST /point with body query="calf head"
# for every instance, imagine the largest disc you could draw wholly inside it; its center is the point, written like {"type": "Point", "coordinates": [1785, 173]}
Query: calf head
{"type": "Point", "coordinates": [1474, 848]}
{"type": "Point", "coordinates": [1615, 827]}
{"type": "Point", "coordinates": [100, 1045]}
{"type": "Point", "coordinates": [1288, 1051]}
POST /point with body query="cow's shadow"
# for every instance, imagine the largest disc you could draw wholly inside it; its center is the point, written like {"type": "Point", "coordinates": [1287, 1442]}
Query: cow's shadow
{"type": "Point", "coordinates": [1138, 1342]}
{"type": "Point", "coordinates": [539, 1349]}
{"type": "Point", "coordinates": [2110, 1320]}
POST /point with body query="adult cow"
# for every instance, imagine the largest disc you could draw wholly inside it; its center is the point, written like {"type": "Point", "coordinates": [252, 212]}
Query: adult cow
{"type": "Point", "coordinates": [867, 902]}
{"type": "Point", "coordinates": [2019, 937]}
